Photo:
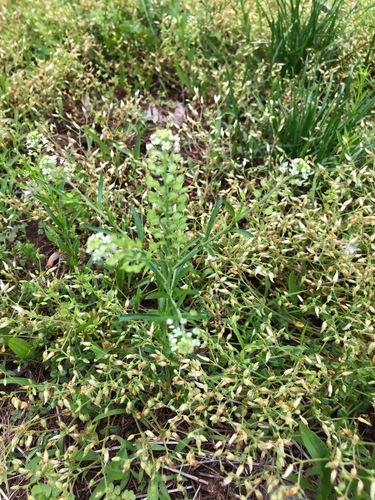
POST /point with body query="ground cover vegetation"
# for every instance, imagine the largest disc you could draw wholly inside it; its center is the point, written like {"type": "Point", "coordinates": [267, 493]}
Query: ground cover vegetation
{"type": "Point", "coordinates": [187, 220]}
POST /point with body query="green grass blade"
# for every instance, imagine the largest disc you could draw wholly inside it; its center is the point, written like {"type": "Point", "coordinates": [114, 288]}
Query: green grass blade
{"type": "Point", "coordinates": [212, 219]}
{"type": "Point", "coordinates": [100, 190]}
{"type": "Point", "coordinates": [318, 450]}
{"type": "Point", "coordinates": [138, 224]}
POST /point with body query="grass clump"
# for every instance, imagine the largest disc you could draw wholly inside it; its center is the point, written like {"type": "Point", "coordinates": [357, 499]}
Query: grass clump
{"type": "Point", "coordinates": [298, 29]}
{"type": "Point", "coordinates": [187, 250]}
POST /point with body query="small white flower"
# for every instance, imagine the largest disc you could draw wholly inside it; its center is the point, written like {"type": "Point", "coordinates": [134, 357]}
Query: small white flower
{"type": "Point", "coordinates": [166, 146]}
{"type": "Point", "coordinates": [164, 140]}
{"type": "Point", "coordinates": [298, 169]}
{"type": "Point", "coordinates": [35, 142]}
{"type": "Point", "coordinates": [48, 165]}
{"type": "Point", "coordinates": [350, 248]}
{"type": "Point", "coordinates": [181, 340]}
{"type": "Point", "coordinates": [101, 246]}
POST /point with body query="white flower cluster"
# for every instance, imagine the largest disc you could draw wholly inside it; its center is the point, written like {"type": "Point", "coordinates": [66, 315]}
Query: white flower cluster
{"type": "Point", "coordinates": [350, 247]}
{"type": "Point", "coordinates": [164, 140]}
{"type": "Point", "coordinates": [180, 340]}
{"type": "Point", "coordinates": [49, 165]}
{"type": "Point", "coordinates": [36, 142]}
{"type": "Point", "coordinates": [298, 169]}
{"type": "Point", "coordinates": [101, 246]}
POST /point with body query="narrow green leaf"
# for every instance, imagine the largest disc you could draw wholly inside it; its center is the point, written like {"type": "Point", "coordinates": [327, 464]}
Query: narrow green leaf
{"type": "Point", "coordinates": [89, 455]}
{"type": "Point", "coordinates": [158, 317]}
{"type": "Point", "coordinates": [109, 413]}
{"type": "Point", "coordinates": [211, 222]}
{"type": "Point", "coordinates": [138, 142]}
{"type": "Point", "coordinates": [100, 190]}
{"type": "Point", "coordinates": [243, 232]}
{"type": "Point", "coordinates": [96, 139]}
{"type": "Point", "coordinates": [230, 208]}
{"type": "Point", "coordinates": [292, 288]}
{"type": "Point", "coordinates": [5, 380]}
{"type": "Point", "coordinates": [183, 77]}
{"type": "Point", "coordinates": [138, 224]}
{"type": "Point", "coordinates": [152, 490]}
{"type": "Point", "coordinates": [99, 491]}
{"type": "Point", "coordinates": [372, 462]}
{"type": "Point", "coordinates": [164, 495]}
{"type": "Point", "coordinates": [318, 450]}
{"type": "Point", "coordinates": [182, 445]}
{"type": "Point", "coordinates": [119, 147]}
{"type": "Point", "coordinates": [53, 217]}
{"type": "Point", "coordinates": [156, 295]}
{"type": "Point", "coordinates": [150, 316]}
{"type": "Point", "coordinates": [237, 333]}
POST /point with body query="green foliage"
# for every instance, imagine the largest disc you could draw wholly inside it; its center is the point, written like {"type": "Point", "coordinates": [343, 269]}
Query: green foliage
{"type": "Point", "coordinates": [24, 350]}
{"type": "Point", "coordinates": [299, 28]}
{"type": "Point", "coordinates": [218, 339]}
{"type": "Point", "coordinates": [319, 452]}
{"type": "Point", "coordinates": [166, 196]}
{"type": "Point", "coordinates": [320, 117]}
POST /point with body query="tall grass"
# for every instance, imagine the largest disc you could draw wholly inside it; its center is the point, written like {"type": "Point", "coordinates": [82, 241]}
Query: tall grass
{"type": "Point", "coordinates": [299, 28]}
{"type": "Point", "coordinates": [311, 117]}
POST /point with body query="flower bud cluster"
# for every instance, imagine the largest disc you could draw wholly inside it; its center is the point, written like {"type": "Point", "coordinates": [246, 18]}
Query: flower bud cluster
{"type": "Point", "coordinates": [102, 247]}
{"type": "Point", "coordinates": [164, 140]}
{"type": "Point", "coordinates": [180, 340]}
{"type": "Point", "coordinates": [49, 165]}
{"type": "Point", "coordinates": [36, 142]}
{"type": "Point", "coordinates": [298, 170]}
{"type": "Point", "coordinates": [166, 192]}
{"type": "Point", "coordinates": [123, 253]}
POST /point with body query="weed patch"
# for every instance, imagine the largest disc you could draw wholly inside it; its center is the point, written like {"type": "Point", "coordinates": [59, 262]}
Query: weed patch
{"type": "Point", "coordinates": [187, 250]}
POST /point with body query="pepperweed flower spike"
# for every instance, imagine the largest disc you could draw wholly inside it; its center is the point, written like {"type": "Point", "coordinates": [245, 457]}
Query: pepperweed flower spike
{"type": "Point", "coordinates": [36, 142]}
{"type": "Point", "coordinates": [49, 165]}
{"type": "Point", "coordinates": [166, 196]}
{"type": "Point", "coordinates": [102, 247]}
{"type": "Point", "coordinates": [121, 252]}
{"type": "Point", "coordinates": [181, 340]}
{"type": "Point", "coordinates": [298, 170]}
{"type": "Point", "coordinates": [164, 140]}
